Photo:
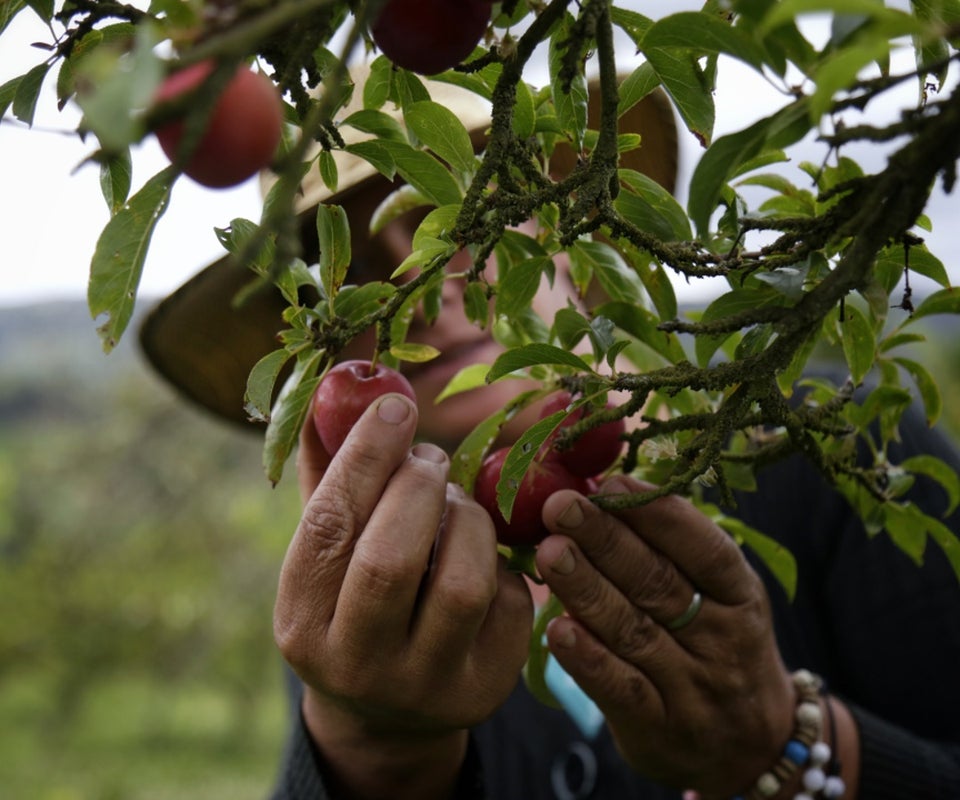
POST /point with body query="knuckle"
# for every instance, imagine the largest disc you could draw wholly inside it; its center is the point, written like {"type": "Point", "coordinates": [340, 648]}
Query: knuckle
{"type": "Point", "coordinates": [329, 520]}
{"type": "Point", "coordinates": [659, 582]}
{"type": "Point", "coordinates": [465, 597]}
{"type": "Point", "coordinates": [382, 572]}
{"type": "Point", "coordinates": [637, 636]}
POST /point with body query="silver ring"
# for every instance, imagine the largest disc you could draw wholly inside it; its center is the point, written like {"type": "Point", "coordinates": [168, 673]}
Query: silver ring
{"type": "Point", "coordinates": [687, 616]}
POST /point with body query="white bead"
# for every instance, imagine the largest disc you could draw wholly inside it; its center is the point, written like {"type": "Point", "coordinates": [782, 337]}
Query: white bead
{"type": "Point", "coordinates": [814, 779]}
{"type": "Point", "coordinates": [820, 753]}
{"type": "Point", "coordinates": [803, 678]}
{"type": "Point", "coordinates": [834, 787]}
{"type": "Point", "coordinates": [768, 785]}
{"type": "Point", "coordinates": [809, 714]}
{"type": "Point", "coordinates": [803, 796]}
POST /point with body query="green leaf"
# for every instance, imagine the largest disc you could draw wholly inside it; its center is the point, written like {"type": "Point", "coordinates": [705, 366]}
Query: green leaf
{"type": "Point", "coordinates": [422, 171]}
{"type": "Point", "coordinates": [116, 173]}
{"type": "Point", "coordinates": [570, 326]}
{"type": "Point", "coordinates": [356, 302]}
{"type": "Point", "coordinates": [948, 542]}
{"type": "Point", "coordinates": [634, 24]}
{"type": "Point", "coordinates": [774, 555]}
{"type": "Point", "coordinates": [704, 33]}
{"type": "Point", "coordinates": [571, 106]}
{"type": "Point", "coordinates": [466, 459]}
{"type": "Point", "coordinates": [858, 341]}
{"type": "Point", "coordinates": [288, 415]}
{"type": "Point", "coordinates": [531, 355]}
{"type": "Point", "coordinates": [907, 528]}
{"type": "Point", "coordinates": [939, 471]}
{"type": "Point", "coordinates": [727, 305]}
{"type": "Point", "coordinates": [927, 386]}
{"type": "Point", "coordinates": [652, 208]}
{"type": "Point", "coordinates": [683, 79]}
{"type": "Point", "coordinates": [518, 286]}
{"type": "Point", "coordinates": [475, 304]}
{"type": "Point", "coordinates": [329, 173]}
{"type": "Point", "coordinates": [538, 654]}
{"type": "Point", "coordinates": [470, 377]}
{"type": "Point", "coordinates": [414, 353]}
{"type": "Point", "coordinates": [615, 276]}
{"type": "Point", "coordinates": [261, 383]}
{"type": "Point", "coordinates": [524, 113]}
{"type": "Point", "coordinates": [7, 92]}
{"type": "Point", "coordinates": [521, 455]}
{"type": "Point", "coordinates": [333, 232]}
{"type": "Point", "coordinates": [119, 256]}
{"type": "Point", "coordinates": [441, 130]}
{"type": "Point", "coordinates": [944, 301]}
{"type": "Point", "coordinates": [724, 157]}
{"type": "Point", "coordinates": [28, 91]}
{"type": "Point", "coordinates": [378, 123]}
{"type": "Point", "coordinates": [8, 10]}
{"type": "Point", "coordinates": [377, 155]}
{"type": "Point", "coordinates": [642, 324]}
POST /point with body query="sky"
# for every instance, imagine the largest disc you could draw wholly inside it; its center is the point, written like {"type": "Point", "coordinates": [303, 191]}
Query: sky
{"type": "Point", "coordinates": [51, 209]}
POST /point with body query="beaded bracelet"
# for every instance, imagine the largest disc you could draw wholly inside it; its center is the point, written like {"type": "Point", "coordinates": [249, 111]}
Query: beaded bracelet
{"type": "Point", "coordinates": [804, 747]}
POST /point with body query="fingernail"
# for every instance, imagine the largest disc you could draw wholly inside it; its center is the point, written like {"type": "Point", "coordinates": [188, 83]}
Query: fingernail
{"type": "Point", "coordinates": [393, 410]}
{"type": "Point", "coordinates": [571, 516]}
{"type": "Point", "coordinates": [564, 563]}
{"type": "Point", "coordinates": [429, 452]}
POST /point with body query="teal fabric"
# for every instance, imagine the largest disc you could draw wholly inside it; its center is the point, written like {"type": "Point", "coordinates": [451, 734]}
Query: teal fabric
{"type": "Point", "coordinates": [582, 710]}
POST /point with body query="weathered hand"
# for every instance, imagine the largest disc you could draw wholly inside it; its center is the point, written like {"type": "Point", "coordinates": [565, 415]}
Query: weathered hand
{"type": "Point", "coordinates": [393, 606]}
{"type": "Point", "coordinates": [707, 705]}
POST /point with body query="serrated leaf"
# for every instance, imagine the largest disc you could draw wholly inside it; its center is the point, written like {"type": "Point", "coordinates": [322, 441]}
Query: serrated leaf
{"type": "Point", "coordinates": [356, 302]}
{"type": "Point", "coordinates": [7, 92]}
{"type": "Point", "coordinates": [378, 123]}
{"type": "Point", "coordinates": [571, 106]}
{"type": "Point", "coordinates": [441, 130]}
{"type": "Point", "coordinates": [261, 383]}
{"type": "Point", "coordinates": [531, 355]}
{"type": "Point", "coordinates": [524, 112]}
{"type": "Point", "coordinates": [119, 256]}
{"type": "Point", "coordinates": [642, 325]}
{"type": "Point", "coordinates": [329, 173]}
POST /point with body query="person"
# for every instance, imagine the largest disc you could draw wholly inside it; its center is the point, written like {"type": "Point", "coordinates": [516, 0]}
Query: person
{"type": "Point", "coordinates": [681, 666]}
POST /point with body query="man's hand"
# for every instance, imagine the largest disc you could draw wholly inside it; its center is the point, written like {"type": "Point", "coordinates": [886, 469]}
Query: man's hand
{"type": "Point", "coordinates": [395, 609]}
{"type": "Point", "coordinates": [706, 705]}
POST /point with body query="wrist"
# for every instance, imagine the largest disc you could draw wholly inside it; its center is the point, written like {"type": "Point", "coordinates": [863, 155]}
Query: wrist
{"type": "Point", "coordinates": [367, 762]}
{"type": "Point", "coordinates": [808, 768]}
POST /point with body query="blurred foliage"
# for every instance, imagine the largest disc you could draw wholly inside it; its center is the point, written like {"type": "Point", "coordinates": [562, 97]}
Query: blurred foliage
{"type": "Point", "coordinates": [139, 551]}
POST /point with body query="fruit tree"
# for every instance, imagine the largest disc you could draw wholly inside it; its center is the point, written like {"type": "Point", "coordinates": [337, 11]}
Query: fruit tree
{"type": "Point", "coordinates": [805, 257]}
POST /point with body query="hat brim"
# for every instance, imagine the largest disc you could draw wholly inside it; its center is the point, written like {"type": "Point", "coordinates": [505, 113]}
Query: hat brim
{"type": "Point", "coordinates": [199, 341]}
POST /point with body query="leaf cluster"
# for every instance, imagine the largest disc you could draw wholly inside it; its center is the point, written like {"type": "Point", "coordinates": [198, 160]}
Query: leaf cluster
{"type": "Point", "coordinates": [821, 263]}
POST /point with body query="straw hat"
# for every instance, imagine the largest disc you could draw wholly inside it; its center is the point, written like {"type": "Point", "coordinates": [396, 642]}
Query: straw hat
{"type": "Point", "coordinates": [206, 348]}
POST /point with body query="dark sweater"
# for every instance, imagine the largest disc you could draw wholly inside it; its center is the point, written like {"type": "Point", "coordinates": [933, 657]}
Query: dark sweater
{"type": "Point", "coordinates": [883, 632]}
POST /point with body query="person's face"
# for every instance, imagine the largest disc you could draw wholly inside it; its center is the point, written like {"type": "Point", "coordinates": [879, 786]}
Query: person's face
{"type": "Point", "coordinates": [460, 342]}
